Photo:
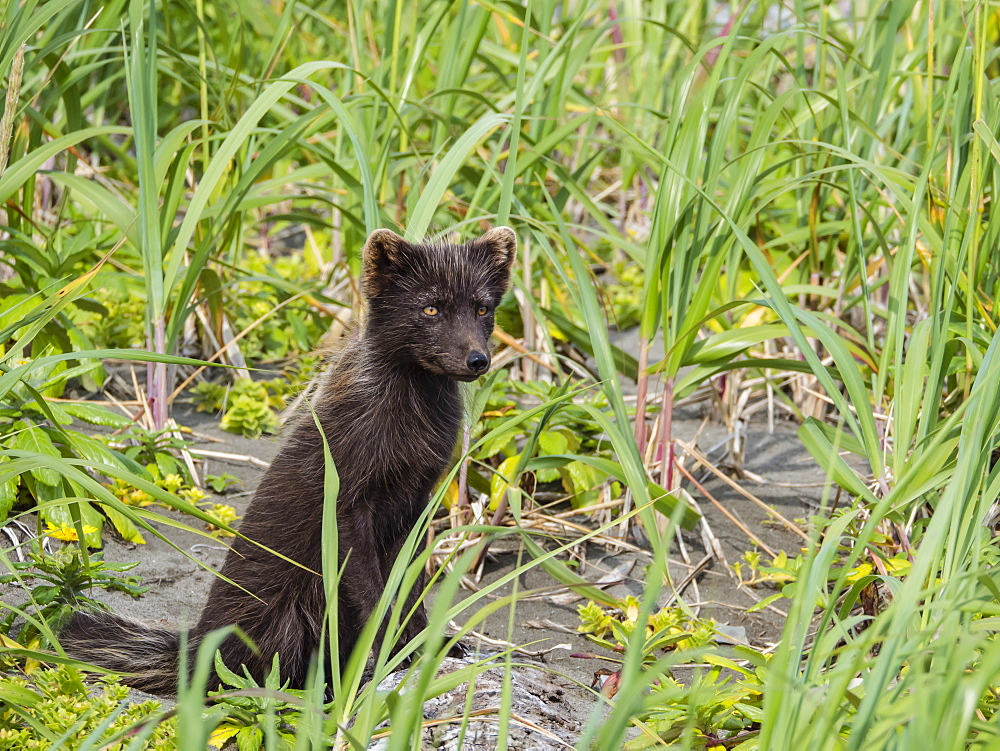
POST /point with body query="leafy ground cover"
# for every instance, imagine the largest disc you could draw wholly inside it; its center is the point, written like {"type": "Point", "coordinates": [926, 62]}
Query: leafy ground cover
{"type": "Point", "coordinates": [790, 202]}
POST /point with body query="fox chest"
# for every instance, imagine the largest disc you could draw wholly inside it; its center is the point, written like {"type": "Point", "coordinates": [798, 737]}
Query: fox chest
{"type": "Point", "coordinates": [397, 490]}
{"type": "Point", "coordinates": [393, 459]}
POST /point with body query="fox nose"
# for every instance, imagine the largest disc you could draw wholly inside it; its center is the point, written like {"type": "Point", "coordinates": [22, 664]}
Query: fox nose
{"type": "Point", "coordinates": [478, 362]}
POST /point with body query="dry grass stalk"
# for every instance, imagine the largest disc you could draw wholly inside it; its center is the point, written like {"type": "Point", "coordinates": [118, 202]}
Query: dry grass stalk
{"type": "Point", "coordinates": [697, 456]}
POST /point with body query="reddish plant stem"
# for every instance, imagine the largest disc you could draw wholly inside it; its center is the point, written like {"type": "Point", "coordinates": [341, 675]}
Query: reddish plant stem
{"type": "Point", "coordinates": [666, 448]}
{"type": "Point", "coordinates": [156, 379]}
{"type": "Point", "coordinates": [616, 35]}
{"type": "Point", "coordinates": [642, 388]}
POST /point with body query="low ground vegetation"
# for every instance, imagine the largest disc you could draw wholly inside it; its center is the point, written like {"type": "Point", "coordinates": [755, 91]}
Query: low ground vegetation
{"type": "Point", "coordinates": [787, 204]}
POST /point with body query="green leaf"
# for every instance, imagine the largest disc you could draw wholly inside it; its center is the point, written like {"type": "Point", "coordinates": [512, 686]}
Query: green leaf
{"type": "Point", "coordinates": [624, 362]}
{"type": "Point", "coordinates": [553, 442]}
{"type": "Point", "coordinates": [8, 491]}
{"type": "Point", "coordinates": [19, 696]}
{"type": "Point", "coordinates": [227, 676]}
{"type": "Point", "coordinates": [99, 197]}
{"type": "Point", "coordinates": [92, 449]}
{"type": "Point", "coordinates": [663, 502]}
{"type": "Point", "coordinates": [728, 344]}
{"type": "Point", "coordinates": [725, 662]}
{"type": "Point", "coordinates": [826, 455]}
{"type": "Point", "coordinates": [124, 526]}
{"type": "Point", "coordinates": [36, 441]}
{"type": "Point", "coordinates": [250, 738]}
{"type": "Point", "coordinates": [59, 415]}
{"type": "Point", "coordinates": [764, 603]}
{"type": "Point", "coordinates": [502, 478]}
{"type": "Point", "coordinates": [27, 166]}
{"type": "Point", "coordinates": [422, 215]}
{"type": "Point", "coordinates": [95, 414]}
{"type": "Point", "coordinates": [666, 504]}
{"type": "Point", "coordinates": [583, 480]}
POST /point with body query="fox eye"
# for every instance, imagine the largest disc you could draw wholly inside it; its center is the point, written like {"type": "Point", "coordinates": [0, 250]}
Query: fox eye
{"type": "Point", "coordinates": [482, 310]}
{"type": "Point", "coordinates": [431, 310]}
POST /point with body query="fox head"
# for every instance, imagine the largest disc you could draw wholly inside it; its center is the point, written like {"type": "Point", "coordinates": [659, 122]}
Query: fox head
{"type": "Point", "coordinates": [432, 305]}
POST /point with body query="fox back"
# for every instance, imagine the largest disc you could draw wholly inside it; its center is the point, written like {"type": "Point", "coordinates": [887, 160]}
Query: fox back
{"type": "Point", "coordinates": [390, 411]}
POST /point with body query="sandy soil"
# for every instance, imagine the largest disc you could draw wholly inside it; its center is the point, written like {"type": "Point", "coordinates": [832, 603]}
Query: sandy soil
{"type": "Point", "coordinates": [178, 580]}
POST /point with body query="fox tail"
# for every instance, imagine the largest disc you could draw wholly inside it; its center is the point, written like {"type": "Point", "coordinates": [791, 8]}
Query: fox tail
{"type": "Point", "coordinates": [149, 657]}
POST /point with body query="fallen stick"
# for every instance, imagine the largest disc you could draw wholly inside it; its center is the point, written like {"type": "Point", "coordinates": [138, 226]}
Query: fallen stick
{"type": "Point", "coordinates": [206, 454]}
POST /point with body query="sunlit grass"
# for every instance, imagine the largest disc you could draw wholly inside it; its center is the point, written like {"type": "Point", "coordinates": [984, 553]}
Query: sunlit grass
{"type": "Point", "coordinates": [813, 178]}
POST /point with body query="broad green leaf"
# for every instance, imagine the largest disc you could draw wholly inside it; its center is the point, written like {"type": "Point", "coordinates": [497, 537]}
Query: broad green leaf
{"type": "Point", "coordinates": [92, 449]}
{"type": "Point", "coordinates": [501, 479]}
{"type": "Point", "coordinates": [37, 441]}
{"type": "Point", "coordinates": [8, 490]}
{"type": "Point", "coordinates": [95, 414]}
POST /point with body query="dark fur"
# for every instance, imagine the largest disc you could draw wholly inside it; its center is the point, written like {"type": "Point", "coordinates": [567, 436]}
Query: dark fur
{"type": "Point", "coordinates": [391, 412]}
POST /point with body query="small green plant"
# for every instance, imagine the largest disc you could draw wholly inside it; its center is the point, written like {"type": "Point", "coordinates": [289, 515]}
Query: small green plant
{"type": "Point", "coordinates": [668, 629]}
{"type": "Point", "coordinates": [221, 484]}
{"type": "Point", "coordinates": [718, 706]}
{"type": "Point", "coordinates": [219, 513]}
{"type": "Point", "coordinates": [162, 467]}
{"type": "Point", "coordinates": [157, 450]}
{"type": "Point", "coordinates": [63, 576]}
{"type": "Point", "coordinates": [112, 316]}
{"type": "Point", "coordinates": [29, 422]}
{"type": "Point", "coordinates": [289, 327]}
{"type": "Point", "coordinates": [55, 709]}
{"type": "Point", "coordinates": [249, 416]}
{"type": "Point", "coordinates": [784, 571]}
{"type": "Point", "coordinates": [251, 707]}
{"type": "Point", "coordinates": [570, 432]}
{"type": "Point", "coordinates": [224, 514]}
{"type": "Point", "coordinates": [250, 406]}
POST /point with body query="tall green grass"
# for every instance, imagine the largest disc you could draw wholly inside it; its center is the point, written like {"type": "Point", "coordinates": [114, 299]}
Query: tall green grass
{"type": "Point", "coordinates": [818, 177]}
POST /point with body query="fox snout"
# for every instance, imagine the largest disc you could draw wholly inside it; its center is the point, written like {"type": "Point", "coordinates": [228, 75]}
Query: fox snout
{"type": "Point", "coordinates": [478, 362]}
{"type": "Point", "coordinates": [468, 363]}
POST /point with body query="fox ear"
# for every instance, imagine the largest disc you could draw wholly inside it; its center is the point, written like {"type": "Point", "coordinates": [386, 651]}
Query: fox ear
{"type": "Point", "coordinates": [382, 251]}
{"type": "Point", "coordinates": [502, 245]}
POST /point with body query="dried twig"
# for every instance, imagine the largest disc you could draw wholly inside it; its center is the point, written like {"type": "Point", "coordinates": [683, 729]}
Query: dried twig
{"type": "Point", "coordinates": [206, 453]}
{"type": "Point", "coordinates": [515, 345]}
{"type": "Point", "coordinates": [697, 456]}
{"type": "Point", "coordinates": [728, 514]}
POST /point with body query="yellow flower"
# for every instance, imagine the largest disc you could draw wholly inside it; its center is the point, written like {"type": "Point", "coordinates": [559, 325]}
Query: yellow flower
{"type": "Point", "coordinates": [138, 498]}
{"type": "Point", "coordinates": [224, 515]}
{"type": "Point", "coordinates": [192, 494]}
{"type": "Point", "coordinates": [172, 482]}
{"type": "Point", "coordinates": [67, 533]}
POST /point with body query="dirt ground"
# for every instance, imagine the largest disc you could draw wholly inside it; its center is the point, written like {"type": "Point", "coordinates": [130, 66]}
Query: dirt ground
{"type": "Point", "coordinates": [791, 483]}
{"type": "Point", "coordinates": [178, 585]}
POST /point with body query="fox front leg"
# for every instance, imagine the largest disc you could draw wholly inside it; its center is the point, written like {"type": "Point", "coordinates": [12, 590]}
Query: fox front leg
{"type": "Point", "coordinates": [417, 616]}
{"type": "Point", "coordinates": [362, 581]}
